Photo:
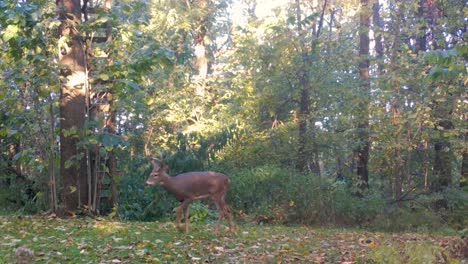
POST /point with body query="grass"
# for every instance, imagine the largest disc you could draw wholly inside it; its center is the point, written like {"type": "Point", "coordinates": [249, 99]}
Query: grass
{"type": "Point", "coordinates": [85, 240]}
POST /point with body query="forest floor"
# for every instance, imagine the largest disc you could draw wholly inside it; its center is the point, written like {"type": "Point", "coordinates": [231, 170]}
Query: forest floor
{"type": "Point", "coordinates": [45, 239]}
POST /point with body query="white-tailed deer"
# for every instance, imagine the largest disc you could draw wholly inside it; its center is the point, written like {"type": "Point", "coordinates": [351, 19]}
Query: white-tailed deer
{"type": "Point", "coordinates": [190, 186]}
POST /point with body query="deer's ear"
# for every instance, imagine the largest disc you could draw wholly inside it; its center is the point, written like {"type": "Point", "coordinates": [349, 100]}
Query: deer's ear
{"type": "Point", "coordinates": [156, 166]}
{"type": "Point", "coordinates": [164, 167]}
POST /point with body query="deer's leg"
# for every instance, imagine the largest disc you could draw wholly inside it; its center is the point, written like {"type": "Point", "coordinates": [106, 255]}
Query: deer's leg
{"type": "Point", "coordinates": [183, 209]}
{"type": "Point", "coordinates": [223, 212]}
{"type": "Point", "coordinates": [178, 216]}
{"type": "Point", "coordinates": [228, 216]}
{"type": "Point", "coordinates": [186, 215]}
{"type": "Point", "coordinates": [227, 213]}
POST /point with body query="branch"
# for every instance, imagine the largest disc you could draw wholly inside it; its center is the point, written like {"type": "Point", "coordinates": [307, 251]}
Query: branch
{"type": "Point", "coordinates": [321, 18]}
{"type": "Point", "coordinates": [147, 151]}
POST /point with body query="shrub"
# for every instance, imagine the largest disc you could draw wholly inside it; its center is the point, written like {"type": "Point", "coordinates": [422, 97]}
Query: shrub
{"type": "Point", "coordinates": [273, 194]}
{"type": "Point", "coordinates": [138, 202]}
{"type": "Point", "coordinates": [18, 192]}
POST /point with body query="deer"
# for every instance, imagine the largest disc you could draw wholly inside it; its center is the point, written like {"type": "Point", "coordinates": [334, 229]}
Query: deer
{"type": "Point", "coordinates": [191, 186]}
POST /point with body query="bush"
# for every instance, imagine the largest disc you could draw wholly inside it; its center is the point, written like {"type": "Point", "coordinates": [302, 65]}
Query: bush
{"type": "Point", "coordinates": [456, 212]}
{"type": "Point", "coordinates": [138, 202]}
{"type": "Point", "coordinates": [428, 212]}
{"type": "Point", "coordinates": [277, 195]}
{"type": "Point", "coordinates": [19, 193]}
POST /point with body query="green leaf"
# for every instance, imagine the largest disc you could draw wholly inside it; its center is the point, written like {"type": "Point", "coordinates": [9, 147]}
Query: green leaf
{"type": "Point", "coordinates": [111, 140]}
{"type": "Point", "coordinates": [103, 77]}
{"type": "Point", "coordinates": [102, 152]}
{"type": "Point", "coordinates": [12, 132]}
{"type": "Point", "coordinates": [17, 156]}
{"type": "Point", "coordinates": [10, 32]}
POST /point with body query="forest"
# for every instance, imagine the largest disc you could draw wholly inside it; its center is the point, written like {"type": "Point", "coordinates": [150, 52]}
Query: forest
{"type": "Point", "coordinates": [326, 115]}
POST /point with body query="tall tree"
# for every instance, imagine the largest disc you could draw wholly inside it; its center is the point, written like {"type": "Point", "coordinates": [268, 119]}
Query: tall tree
{"type": "Point", "coordinates": [307, 157]}
{"type": "Point", "coordinates": [396, 102]}
{"type": "Point", "coordinates": [362, 150]}
{"type": "Point", "coordinates": [73, 81]}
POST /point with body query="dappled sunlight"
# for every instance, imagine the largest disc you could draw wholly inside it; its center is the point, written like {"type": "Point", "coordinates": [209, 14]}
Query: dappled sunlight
{"type": "Point", "coordinates": [108, 226]}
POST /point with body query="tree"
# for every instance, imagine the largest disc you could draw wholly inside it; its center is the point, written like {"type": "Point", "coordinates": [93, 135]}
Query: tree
{"type": "Point", "coordinates": [307, 158]}
{"type": "Point", "coordinates": [73, 80]}
{"type": "Point", "coordinates": [362, 151]}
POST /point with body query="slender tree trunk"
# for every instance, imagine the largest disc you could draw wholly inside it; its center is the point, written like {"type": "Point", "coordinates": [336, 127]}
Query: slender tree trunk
{"type": "Point", "coordinates": [379, 48]}
{"type": "Point", "coordinates": [464, 170]}
{"type": "Point", "coordinates": [363, 126]}
{"type": "Point", "coordinates": [73, 106]}
{"type": "Point", "coordinates": [396, 105]}
{"type": "Point", "coordinates": [304, 112]}
{"type": "Point", "coordinates": [443, 153]}
{"type": "Point", "coordinates": [201, 49]}
{"type": "Point", "coordinates": [421, 34]}
{"type": "Point", "coordinates": [305, 154]}
{"type": "Point", "coordinates": [304, 101]}
{"type": "Point", "coordinates": [52, 166]}
{"type": "Point", "coordinates": [111, 124]}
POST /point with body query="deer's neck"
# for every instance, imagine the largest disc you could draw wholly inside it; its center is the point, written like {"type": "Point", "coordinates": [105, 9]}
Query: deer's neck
{"type": "Point", "coordinates": [166, 180]}
{"type": "Point", "coordinates": [169, 185]}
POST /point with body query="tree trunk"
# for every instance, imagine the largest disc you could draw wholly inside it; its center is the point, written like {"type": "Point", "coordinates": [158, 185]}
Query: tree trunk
{"type": "Point", "coordinates": [73, 106]}
{"type": "Point", "coordinates": [304, 101]}
{"type": "Point", "coordinates": [305, 154]}
{"type": "Point", "coordinates": [421, 41]}
{"type": "Point", "coordinates": [304, 113]}
{"type": "Point", "coordinates": [443, 155]}
{"type": "Point", "coordinates": [111, 124]}
{"type": "Point", "coordinates": [113, 172]}
{"type": "Point", "coordinates": [379, 48]}
{"type": "Point", "coordinates": [362, 151]}
{"type": "Point", "coordinates": [396, 106]}
{"type": "Point", "coordinates": [464, 170]}
{"type": "Point", "coordinates": [52, 167]}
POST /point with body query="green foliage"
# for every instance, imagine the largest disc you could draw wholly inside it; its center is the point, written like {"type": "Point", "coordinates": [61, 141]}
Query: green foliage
{"type": "Point", "coordinates": [275, 194]}
{"type": "Point", "coordinates": [401, 219]}
{"type": "Point", "coordinates": [19, 194]}
{"type": "Point", "coordinates": [416, 252]}
{"type": "Point", "coordinates": [200, 212]}
{"type": "Point", "coordinates": [435, 211]}
{"type": "Point", "coordinates": [138, 202]}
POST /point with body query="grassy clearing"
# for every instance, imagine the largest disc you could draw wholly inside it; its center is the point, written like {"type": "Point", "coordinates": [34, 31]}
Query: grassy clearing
{"type": "Point", "coordinates": [55, 240]}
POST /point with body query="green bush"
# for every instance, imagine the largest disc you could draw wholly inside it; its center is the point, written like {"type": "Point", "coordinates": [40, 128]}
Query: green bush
{"type": "Point", "coordinates": [456, 212]}
{"type": "Point", "coordinates": [137, 201]}
{"type": "Point", "coordinates": [200, 212]}
{"type": "Point", "coordinates": [428, 212]}
{"type": "Point", "coordinates": [273, 194]}
{"type": "Point", "coordinates": [18, 193]}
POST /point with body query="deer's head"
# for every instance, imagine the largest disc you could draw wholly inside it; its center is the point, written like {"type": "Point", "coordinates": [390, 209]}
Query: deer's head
{"type": "Point", "coordinates": [156, 175]}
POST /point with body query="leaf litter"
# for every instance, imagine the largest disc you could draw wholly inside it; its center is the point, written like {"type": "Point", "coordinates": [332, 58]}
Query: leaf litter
{"type": "Point", "coordinates": [54, 240]}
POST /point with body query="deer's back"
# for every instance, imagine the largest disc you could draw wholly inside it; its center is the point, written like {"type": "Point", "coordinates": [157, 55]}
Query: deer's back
{"type": "Point", "coordinates": [200, 184]}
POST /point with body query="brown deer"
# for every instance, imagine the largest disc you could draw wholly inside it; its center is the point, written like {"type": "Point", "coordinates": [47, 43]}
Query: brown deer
{"type": "Point", "coordinates": [190, 186]}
